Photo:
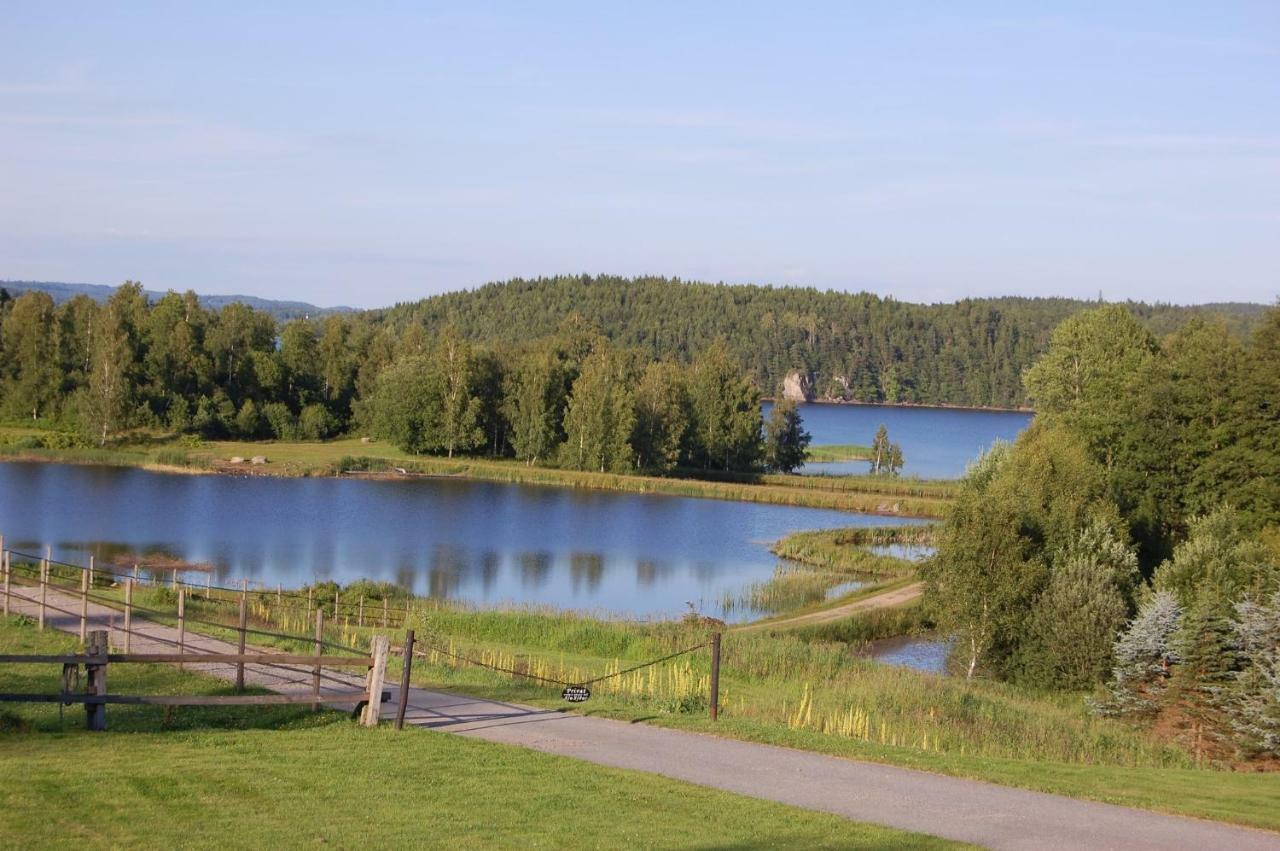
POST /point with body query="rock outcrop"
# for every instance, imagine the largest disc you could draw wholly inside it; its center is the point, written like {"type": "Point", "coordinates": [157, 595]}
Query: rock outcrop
{"type": "Point", "coordinates": [797, 386]}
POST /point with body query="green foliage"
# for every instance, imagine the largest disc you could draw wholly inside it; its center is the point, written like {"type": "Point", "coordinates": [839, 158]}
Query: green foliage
{"type": "Point", "coordinates": [724, 413]}
{"type": "Point", "coordinates": [1220, 562]}
{"type": "Point", "coordinates": [786, 441]}
{"type": "Point", "coordinates": [1144, 655]}
{"type": "Point", "coordinates": [662, 417]}
{"type": "Point", "coordinates": [1253, 703]}
{"type": "Point", "coordinates": [1094, 358]}
{"type": "Point", "coordinates": [856, 345]}
{"type": "Point", "coordinates": [601, 416]}
{"type": "Point", "coordinates": [1082, 609]}
{"type": "Point", "coordinates": [886, 457]}
{"type": "Point", "coordinates": [531, 404]}
{"type": "Point", "coordinates": [1021, 510]}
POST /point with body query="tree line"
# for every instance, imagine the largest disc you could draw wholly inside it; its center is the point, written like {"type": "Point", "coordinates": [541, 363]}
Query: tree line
{"type": "Point", "coordinates": [572, 397]}
{"type": "Point", "coordinates": [854, 346]}
{"type": "Point", "coordinates": [1129, 541]}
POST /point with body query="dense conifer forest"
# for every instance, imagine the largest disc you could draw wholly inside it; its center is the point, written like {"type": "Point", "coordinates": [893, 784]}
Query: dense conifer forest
{"type": "Point", "coordinates": [855, 346]}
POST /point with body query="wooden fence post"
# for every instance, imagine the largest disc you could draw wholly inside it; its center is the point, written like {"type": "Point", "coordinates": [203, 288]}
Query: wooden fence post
{"type": "Point", "coordinates": [7, 564]}
{"type": "Point", "coordinates": [361, 621]}
{"type": "Point", "coordinates": [96, 713]}
{"type": "Point", "coordinates": [91, 566]}
{"type": "Point", "coordinates": [44, 585]}
{"type": "Point", "coordinates": [384, 612]}
{"type": "Point", "coordinates": [377, 673]}
{"type": "Point", "coordinates": [404, 679]}
{"type": "Point", "coordinates": [319, 645]}
{"type": "Point", "coordinates": [182, 625]}
{"type": "Point", "coordinates": [244, 618]}
{"type": "Point", "coordinates": [135, 573]}
{"type": "Point", "coordinates": [308, 604]}
{"type": "Point", "coordinates": [208, 584]}
{"type": "Point", "coordinates": [715, 676]}
{"type": "Point", "coordinates": [128, 614]}
{"type": "Point", "coordinates": [84, 605]}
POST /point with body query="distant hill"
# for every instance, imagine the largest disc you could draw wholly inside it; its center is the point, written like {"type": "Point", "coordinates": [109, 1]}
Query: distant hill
{"type": "Point", "coordinates": [852, 345]}
{"type": "Point", "coordinates": [282, 310]}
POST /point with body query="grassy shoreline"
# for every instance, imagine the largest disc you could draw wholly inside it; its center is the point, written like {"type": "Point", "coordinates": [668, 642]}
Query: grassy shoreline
{"type": "Point", "coordinates": [830, 453]}
{"type": "Point", "coordinates": [351, 456]}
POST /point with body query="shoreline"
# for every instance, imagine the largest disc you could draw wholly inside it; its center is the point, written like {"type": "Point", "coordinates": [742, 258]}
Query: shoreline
{"type": "Point", "coordinates": [941, 406]}
{"type": "Point", "coordinates": [299, 460]}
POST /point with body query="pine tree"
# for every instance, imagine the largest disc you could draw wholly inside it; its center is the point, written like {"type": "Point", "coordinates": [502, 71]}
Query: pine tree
{"type": "Point", "coordinates": [1144, 656]}
{"type": "Point", "coordinates": [1081, 611]}
{"type": "Point", "coordinates": [1253, 703]}
{"type": "Point", "coordinates": [786, 441]}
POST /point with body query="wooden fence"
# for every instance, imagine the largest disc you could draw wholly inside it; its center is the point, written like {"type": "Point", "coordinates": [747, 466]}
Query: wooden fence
{"type": "Point", "coordinates": [96, 660]}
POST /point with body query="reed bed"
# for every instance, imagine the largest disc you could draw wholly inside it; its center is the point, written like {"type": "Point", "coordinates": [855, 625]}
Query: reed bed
{"type": "Point", "coordinates": [846, 549]}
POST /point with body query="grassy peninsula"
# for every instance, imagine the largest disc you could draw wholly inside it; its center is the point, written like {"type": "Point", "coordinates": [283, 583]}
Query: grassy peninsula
{"type": "Point", "coordinates": [352, 456]}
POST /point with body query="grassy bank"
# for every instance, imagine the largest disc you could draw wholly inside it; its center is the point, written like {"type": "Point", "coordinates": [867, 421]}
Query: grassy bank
{"type": "Point", "coordinates": [849, 550]}
{"type": "Point", "coordinates": [828, 568]}
{"type": "Point", "coordinates": [828, 453]}
{"type": "Point", "coordinates": [351, 456]}
{"type": "Point", "coordinates": [251, 777]}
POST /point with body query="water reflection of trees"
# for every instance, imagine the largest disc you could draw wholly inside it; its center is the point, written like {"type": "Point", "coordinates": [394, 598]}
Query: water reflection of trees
{"type": "Point", "coordinates": [535, 568]}
{"type": "Point", "coordinates": [585, 569]}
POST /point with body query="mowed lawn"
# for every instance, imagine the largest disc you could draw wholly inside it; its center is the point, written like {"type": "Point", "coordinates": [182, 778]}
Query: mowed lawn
{"type": "Point", "coordinates": [285, 777]}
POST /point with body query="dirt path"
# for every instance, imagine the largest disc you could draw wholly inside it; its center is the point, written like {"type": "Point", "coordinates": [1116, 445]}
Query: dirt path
{"type": "Point", "coordinates": [888, 599]}
{"type": "Point", "coordinates": [965, 810]}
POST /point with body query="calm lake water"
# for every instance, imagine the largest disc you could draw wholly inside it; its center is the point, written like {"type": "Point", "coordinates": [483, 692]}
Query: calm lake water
{"type": "Point", "coordinates": [937, 443]}
{"type": "Point", "coordinates": [482, 542]}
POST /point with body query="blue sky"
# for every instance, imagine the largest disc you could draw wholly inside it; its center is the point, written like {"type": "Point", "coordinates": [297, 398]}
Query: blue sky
{"type": "Point", "coordinates": [369, 153]}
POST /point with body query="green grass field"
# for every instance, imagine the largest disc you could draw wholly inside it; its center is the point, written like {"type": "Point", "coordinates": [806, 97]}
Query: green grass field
{"type": "Point", "coordinates": [254, 777]}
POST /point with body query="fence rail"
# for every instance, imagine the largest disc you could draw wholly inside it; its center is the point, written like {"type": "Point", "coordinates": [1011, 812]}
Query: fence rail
{"type": "Point", "coordinates": [39, 575]}
{"type": "Point", "coordinates": [96, 661]}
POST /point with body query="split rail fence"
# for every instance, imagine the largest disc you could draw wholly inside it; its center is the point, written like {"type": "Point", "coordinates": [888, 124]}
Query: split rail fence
{"type": "Point", "coordinates": [36, 574]}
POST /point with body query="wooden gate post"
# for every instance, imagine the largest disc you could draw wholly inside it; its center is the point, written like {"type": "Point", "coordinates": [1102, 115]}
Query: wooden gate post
{"type": "Point", "coordinates": [96, 682]}
{"type": "Point", "coordinates": [715, 676]}
{"type": "Point", "coordinates": [182, 625]}
{"type": "Point", "coordinates": [404, 679]}
{"type": "Point", "coordinates": [44, 587]}
{"type": "Point", "coordinates": [244, 619]}
{"type": "Point", "coordinates": [128, 614]}
{"type": "Point", "coordinates": [315, 673]}
{"type": "Point", "coordinates": [377, 673]}
{"type": "Point", "coordinates": [84, 605]}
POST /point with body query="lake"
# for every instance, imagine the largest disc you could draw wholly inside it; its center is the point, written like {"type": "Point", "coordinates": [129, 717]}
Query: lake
{"type": "Point", "coordinates": [937, 443]}
{"type": "Point", "coordinates": [640, 555]}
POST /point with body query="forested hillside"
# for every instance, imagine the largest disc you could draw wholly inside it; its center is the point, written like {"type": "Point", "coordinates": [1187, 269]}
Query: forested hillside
{"type": "Point", "coordinates": [855, 346]}
{"type": "Point", "coordinates": [277, 308]}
